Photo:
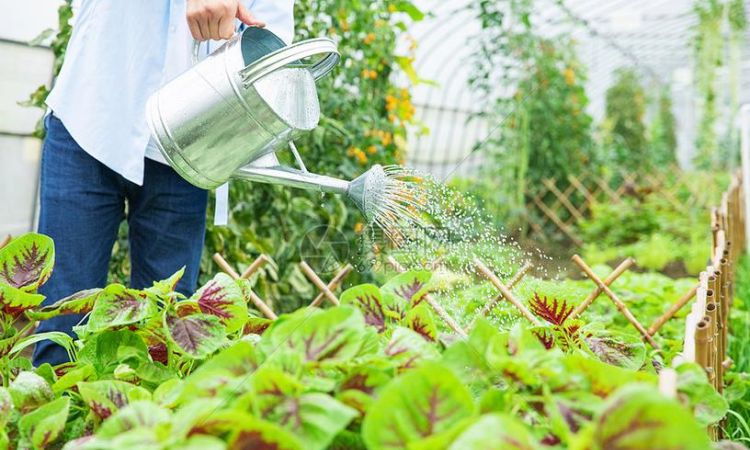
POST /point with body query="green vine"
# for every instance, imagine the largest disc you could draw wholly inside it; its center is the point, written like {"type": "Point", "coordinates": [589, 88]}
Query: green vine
{"type": "Point", "coordinates": [713, 52]}
{"type": "Point", "coordinates": [542, 129]}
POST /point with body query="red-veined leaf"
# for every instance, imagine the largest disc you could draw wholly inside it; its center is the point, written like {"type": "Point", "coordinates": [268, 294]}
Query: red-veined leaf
{"type": "Point", "coordinates": [411, 286]}
{"type": "Point", "coordinates": [81, 302]}
{"type": "Point", "coordinates": [422, 404]}
{"type": "Point", "coordinates": [117, 306]}
{"type": "Point", "coordinates": [195, 335]}
{"type": "Point", "coordinates": [26, 262]}
{"type": "Point", "coordinates": [222, 297]}
{"type": "Point", "coordinates": [14, 301]}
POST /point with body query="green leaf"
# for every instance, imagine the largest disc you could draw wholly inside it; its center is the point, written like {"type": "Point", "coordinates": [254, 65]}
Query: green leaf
{"type": "Point", "coordinates": [330, 336]}
{"type": "Point", "coordinates": [314, 418]}
{"type": "Point", "coordinates": [368, 299]}
{"type": "Point", "coordinates": [108, 349]}
{"type": "Point", "coordinates": [256, 433]}
{"type": "Point", "coordinates": [407, 349]}
{"type": "Point", "coordinates": [708, 405]}
{"type": "Point", "coordinates": [58, 337]}
{"type": "Point", "coordinates": [26, 262]}
{"type": "Point", "coordinates": [409, 8]}
{"type": "Point", "coordinates": [80, 373]}
{"type": "Point", "coordinates": [495, 432]}
{"type": "Point", "coordinates": [143, 414]}
{"type": "Point", "coordinates": [167, 286]}
{"type": "Point", "coordinates": [423, 403]}
{"type": "Point", "coordinates": [200, 442]}
{"type": "Point", "coordinates": [118, 306]}
{"type": "Point", "coordinates": [619, 349]}
{"type": "Point", "coordinates": [6, 406]}
{"type": "Point", "coordinates": [14, 301]}
{"type": "Point", "coordinates": [411, 286]}
{"type": "Point", "coordinates": [108, 396]}
{"type": "Point", "coordinates": [223, 298]}
{"type": "Point", "coordinates": [603, 379]}
{"type": "Point", "coordinates": [44, 425]}
{"type": "Point", "coordinates": [639, 417]}
{"type": "Point", "coordinates": [420, 319]}
{"type": "Point", "coordinates": [81, 302]}
{"type": "Point", "coordinates": [29, 391]}
{"type": "Point", "coordinates": [195, 335]}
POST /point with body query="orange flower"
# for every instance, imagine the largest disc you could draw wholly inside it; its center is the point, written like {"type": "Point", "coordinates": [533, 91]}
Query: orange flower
{"type": "Point", "coordinates": [369, 39]}
{"type": "Point", "coordinates": [358, 227]}
{"type": "Point", "coordinates": [386, 139]}
{"type": "Point", "coordinates": [570, 76]}
{"type": "Point", "coordinates": [352, 151]}
{"type": "Point", "coordinates": [372, 149]}
{"type": "Point", "coordinates": [391, 102]}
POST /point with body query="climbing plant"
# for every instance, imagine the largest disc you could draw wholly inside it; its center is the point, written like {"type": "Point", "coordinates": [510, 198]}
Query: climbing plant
{"type": "Point", "coordinates": [713, 51]}
{"type": "Point", "coordinates": [663, 133]}
{"type": "Point", "coordinates": [625, 112]}
{"type": "Point", "coordinates": [535, 104]}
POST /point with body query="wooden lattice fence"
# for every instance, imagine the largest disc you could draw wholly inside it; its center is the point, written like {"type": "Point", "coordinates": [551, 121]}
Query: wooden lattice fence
{"type": "Point", "coordinates": [559, 205]}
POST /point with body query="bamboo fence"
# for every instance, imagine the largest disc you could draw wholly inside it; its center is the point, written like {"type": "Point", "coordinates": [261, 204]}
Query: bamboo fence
{"type": "Point", "coordinates": [707, 324]}
{"type": "Point", "coordinates": [558, 205]}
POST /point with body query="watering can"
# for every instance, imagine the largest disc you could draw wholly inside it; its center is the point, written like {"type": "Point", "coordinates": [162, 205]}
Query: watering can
{"type": "Point", "coordinates": [227, 116]}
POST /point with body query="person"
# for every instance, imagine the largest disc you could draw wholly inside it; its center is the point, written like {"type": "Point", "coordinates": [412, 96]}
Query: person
{"type": "Point", "coordinates": [99, 165]}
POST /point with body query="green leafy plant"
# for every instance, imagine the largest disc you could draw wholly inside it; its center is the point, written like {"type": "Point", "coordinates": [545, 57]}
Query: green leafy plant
{"type": "Point", "coordinates": [542, 129]}
{"type": "Point", "coordinates": [151, 368]}
{"type": "Point", "coordinates": [625, 114]}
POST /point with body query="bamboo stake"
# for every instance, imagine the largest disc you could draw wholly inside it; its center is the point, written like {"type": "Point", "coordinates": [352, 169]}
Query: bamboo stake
{"type": "Point", "coordinates": [333, 284]}
{"type": "Point", "coordinates": [5, 241]}
{"type": "Point", "coordinates": [616, 300]}
{"type": "Point", "coordinates": [676, 306]}
{"type": "Point", "coordinates": [619, 270]}
{"type": "Point", "coordinates": [511, 284]}
{"type": "Point", "coordinates": [261, 305]}
{"type": "Point", "coordinates": [257, 301]}
{"type": "Point", "coordinates": [431, 301]}
{"type": "Point", "coordinates": [713, 357]}
{"type": "Point", "coordinates": [224, 266]}
{"type": "Point", "coordinates": [312, 276]}
{"type": "Point", "coordinates": [505, 291]}
{"type": "Point", "coordinates": [702, 344]}
{"type": "Point", "coordinates": [252, 268]}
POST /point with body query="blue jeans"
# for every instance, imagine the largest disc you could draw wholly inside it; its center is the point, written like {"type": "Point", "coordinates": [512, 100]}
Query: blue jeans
{"type": "Point", "coordinates": [82, 203]}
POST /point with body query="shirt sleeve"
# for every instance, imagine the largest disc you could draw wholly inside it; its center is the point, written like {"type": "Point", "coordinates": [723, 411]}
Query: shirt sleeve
{"type": "Point", "coordinates": [278, 16]}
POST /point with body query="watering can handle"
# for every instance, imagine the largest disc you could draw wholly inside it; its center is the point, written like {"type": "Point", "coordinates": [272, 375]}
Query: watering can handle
{"type": "Point", "coordinates": [292, 54]}
{"type": "Point", "coordinates": [196, 51]}
{"type": "Point", "coordinates": [197, 48]}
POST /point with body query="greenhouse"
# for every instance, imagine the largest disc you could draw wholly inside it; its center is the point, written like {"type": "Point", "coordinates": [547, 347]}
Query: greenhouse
{"type": "Point", "coordinates": [403, 224]}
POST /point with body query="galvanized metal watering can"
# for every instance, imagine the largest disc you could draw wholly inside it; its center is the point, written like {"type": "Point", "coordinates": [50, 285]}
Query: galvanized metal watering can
{"type": "Point", "coordinates": [227, 116]}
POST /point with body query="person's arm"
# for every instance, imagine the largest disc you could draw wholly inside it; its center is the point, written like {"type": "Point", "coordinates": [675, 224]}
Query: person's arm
{"type": "Point", "coordinates": [214, 19]}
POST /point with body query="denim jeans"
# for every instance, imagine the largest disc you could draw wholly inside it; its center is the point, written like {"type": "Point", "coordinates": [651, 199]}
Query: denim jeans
{"type": "Point", "coordinates": [82, 203]}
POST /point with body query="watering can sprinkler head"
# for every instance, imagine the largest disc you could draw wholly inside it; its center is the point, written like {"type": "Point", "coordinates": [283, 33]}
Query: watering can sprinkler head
{"type": "Point", "coordinates": [366, 191]}
{"type": "Point", "coordinates": [381, 193]}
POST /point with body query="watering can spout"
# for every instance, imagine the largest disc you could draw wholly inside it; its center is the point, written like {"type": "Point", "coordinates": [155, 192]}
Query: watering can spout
{"type": "Point", "coordinates": [287, 176]}
{"type": "Point", "coordinates": [362, 191]}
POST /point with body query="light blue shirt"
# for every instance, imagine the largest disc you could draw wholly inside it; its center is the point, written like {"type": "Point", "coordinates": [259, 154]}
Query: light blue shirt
{"type": "Point", "coordinates": [119, 53]}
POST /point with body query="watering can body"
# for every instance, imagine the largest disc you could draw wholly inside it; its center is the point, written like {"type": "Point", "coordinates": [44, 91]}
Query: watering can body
{"type": "Point", "coordinates": [238, 106]}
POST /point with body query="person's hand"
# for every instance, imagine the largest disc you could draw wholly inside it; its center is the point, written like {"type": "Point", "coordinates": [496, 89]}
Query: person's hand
{"type": "Point", "coordinates": [214, 19]}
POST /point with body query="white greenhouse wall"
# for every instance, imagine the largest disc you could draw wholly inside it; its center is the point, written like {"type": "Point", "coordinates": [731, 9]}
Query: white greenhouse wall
{"type": "Point", "coordinates": [25, 69]}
